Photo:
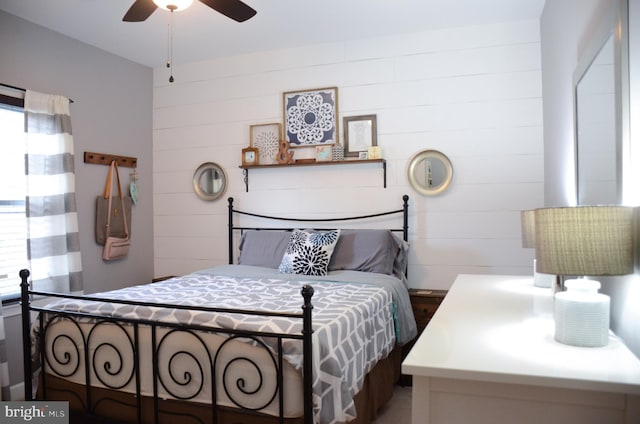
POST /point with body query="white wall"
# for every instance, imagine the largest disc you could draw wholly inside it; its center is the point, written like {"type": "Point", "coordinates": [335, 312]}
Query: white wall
{"type": "Point", "coordinates": [473, 93]}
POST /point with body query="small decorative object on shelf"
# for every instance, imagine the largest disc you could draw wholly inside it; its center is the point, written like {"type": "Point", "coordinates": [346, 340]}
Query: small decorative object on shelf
{"type": "Point", "coordinates": [285, 156]}
{"type": "Point", "coordinates": [374, 152]}
{"type": "Point", "coordinates": [249, 156]}
{"type": "Point", "coordinates": [323, 153]}
{"type": "Point", "coordinates": [362, 155]}
{"type": "Point", "coordinates": [337, 152]}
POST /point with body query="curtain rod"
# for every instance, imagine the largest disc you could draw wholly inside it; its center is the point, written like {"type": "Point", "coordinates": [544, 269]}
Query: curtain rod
{"type": "Point", "coordinates": [13, 87]}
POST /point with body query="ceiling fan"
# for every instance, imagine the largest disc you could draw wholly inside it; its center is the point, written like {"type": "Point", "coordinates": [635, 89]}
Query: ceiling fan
{"type": "Point", "coordinates": [234, 9]}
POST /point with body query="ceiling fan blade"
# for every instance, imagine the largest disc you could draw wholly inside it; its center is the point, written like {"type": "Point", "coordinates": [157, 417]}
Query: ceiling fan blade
{"type": "Point", "coordinates": [234, 9]}
{"type": "Point", "coordinates": [139, 11]}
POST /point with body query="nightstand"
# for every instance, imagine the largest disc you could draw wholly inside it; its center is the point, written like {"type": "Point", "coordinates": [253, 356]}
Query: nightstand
{"type": "Point", "coordinates": [158, 279]}
{"type": "Point", "coordinates": [425, 303]}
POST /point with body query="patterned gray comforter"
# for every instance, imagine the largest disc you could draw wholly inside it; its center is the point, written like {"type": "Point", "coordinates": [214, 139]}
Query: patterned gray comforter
{"type": "Point", "coordinates": [357, 319]}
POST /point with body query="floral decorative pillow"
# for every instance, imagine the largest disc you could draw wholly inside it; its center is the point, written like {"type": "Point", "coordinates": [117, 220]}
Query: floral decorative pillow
{"type": "Point", "coordinates": [309, 252]}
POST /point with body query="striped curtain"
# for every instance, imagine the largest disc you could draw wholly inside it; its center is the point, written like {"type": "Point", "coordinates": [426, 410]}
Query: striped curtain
{"type": "Point", "coordinates": [4, 365]}
{"type": "Point", "coordinates": [53, 244]}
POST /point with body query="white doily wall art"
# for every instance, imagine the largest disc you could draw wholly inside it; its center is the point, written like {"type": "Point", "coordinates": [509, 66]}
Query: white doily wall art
{"type": "Point", "coordinates": [310, 116]}
{"type": "Point", "coordinates": [265, 138]}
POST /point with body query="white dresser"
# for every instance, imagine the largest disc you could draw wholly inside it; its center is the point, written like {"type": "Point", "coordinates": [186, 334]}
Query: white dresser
{"type": "Point", "coordinates": [488, 357]}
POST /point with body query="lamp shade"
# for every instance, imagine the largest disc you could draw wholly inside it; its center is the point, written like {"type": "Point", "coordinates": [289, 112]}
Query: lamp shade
{"type": "Point", "coordinates": [584, 240]}
{"type": "Point", "coordinates": [528, 226]}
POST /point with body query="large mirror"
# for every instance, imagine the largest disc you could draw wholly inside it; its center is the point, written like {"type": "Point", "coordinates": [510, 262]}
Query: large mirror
{"type": "Point", "coordinates": [430, 172]}
{"type": "Point", "coordinates": [601, 111]}
{"type": "Point", "coordinates": [209, 181]}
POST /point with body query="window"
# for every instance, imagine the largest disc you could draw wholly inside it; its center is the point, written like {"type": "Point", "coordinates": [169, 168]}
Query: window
{"type": "Point", "coordinates": [13, 219]}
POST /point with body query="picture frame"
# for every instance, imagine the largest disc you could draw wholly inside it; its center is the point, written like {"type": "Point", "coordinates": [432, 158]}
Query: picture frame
{"type": "Point", "coordinates": [249, 156]}
{"type": "Point", "coordinates": [266, 138]}
{"type": "Point", "coordinates": [310, 116]}
{"type": "Point", "coordinates": [360, 133]}
{"type": "Point", "coordinates": [323, 153]}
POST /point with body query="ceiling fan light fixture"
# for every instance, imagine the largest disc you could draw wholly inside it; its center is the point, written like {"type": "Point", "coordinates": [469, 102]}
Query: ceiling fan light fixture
{"type": "Point", "coordinates": [173, 5]}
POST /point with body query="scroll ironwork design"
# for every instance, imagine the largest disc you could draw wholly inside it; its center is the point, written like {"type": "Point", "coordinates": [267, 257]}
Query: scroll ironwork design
{"type": "Point", "coordinates": [233, 369]}
{"type": "Point", "coordinates": [174, 361]}
{"type": "Point", "coordinates": [109, 361]}
{"type": "Point", "coordinates": [64, 357]}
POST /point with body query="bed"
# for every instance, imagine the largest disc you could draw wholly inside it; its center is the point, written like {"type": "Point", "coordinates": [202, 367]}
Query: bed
{"type": "Point", "coordinates": [303, 327]}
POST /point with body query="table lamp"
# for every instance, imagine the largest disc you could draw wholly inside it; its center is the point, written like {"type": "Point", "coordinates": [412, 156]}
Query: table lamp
{"type": "Point", "coordinates": [527, 224]}
{"type": "Point", "coordinates": [583, 241]}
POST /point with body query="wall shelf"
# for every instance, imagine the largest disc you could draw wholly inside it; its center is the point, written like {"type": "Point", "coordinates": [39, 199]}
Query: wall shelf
{"type": "Point", "coordinates": [383, 162]}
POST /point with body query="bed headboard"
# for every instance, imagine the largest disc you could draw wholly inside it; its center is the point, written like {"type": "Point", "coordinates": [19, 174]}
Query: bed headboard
{"type": "Point", "coordinates": [232, 227]}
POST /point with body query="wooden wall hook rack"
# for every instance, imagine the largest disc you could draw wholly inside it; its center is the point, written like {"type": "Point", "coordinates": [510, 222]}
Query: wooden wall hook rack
{"type": "Point", "coordinates": [105, 159]}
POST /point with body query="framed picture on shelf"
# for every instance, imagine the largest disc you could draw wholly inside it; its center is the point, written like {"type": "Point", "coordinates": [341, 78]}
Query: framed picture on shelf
{"type": "Point", "coordinates": [323, 153]}
{"type": "Point", "coordinates": [360, 133]}
{"type": "Point", "coordinates": [249, 156]}
{"type": "Point", "coordinates": [265, 138]}
{"type": "Point", "coordinates": [310, 116]}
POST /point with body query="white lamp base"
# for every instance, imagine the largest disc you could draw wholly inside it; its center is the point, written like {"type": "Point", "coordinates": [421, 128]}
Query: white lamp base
{"type": "Point", "coordinates": [542, 280]}
{"type": "Point", "coordinates": [582, 314]}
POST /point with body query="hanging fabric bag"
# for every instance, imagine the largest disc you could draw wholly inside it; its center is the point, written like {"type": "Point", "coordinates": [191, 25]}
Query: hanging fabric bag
{"type": "Point", "coordinates": [116, 246]}
{"type": "Point", "coordinates": [105, 212]}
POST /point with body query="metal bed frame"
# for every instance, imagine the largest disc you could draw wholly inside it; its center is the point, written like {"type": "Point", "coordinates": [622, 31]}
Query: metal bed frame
{"type": "Point", "coordinates": [115, 366]}
{"type": "Point", "coordinates": [232, 227]}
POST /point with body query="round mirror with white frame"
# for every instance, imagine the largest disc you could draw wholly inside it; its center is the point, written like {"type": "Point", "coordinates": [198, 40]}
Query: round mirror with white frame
{"type": "Point", "coordinates": [430, 172]}
{"type": "Point", "coordinates": [209, 181]}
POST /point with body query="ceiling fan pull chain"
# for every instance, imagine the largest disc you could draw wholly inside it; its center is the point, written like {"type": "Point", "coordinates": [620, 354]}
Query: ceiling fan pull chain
{"type": "Point", "coordinates": [170, 42]}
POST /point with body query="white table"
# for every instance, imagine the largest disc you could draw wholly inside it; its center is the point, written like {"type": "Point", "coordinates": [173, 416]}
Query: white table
{"type": "Point", "coordinates": [488, 356]}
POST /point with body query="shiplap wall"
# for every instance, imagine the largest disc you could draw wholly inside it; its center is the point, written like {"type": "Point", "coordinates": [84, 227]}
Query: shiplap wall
{"type": "Point", "coordinates": [473, 93]}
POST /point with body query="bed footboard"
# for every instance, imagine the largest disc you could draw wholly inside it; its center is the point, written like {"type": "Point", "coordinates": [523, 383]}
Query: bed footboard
{"type": "Point", "coordinates": [148, 359]}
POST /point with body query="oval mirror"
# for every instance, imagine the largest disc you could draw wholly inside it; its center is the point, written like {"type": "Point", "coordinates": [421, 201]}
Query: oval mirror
{"type": "Point", "coordinates": [430, 172]}
{"type": "Point", "coordinates": [209, 181]}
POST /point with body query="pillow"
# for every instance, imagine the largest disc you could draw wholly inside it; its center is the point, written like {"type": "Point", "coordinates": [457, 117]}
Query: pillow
{"type": "Point", "coordinates": [401, 259]}
{"type": "Point", "coordinates": [309, 252]}
{"type": "Point", "coordinates": [263, 247]}
{"type": "Point", "coordinates": [365, 250]}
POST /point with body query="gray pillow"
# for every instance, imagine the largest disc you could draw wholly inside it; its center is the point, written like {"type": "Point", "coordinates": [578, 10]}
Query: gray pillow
{"type": "Point", "coordinates": [378, 251]}
{"type": "Point", "coordinates": [365, 250]}
{"type": "Point", "coordinates": [401, 259]}
{"type": "Point", "coordinates": [263, 247]}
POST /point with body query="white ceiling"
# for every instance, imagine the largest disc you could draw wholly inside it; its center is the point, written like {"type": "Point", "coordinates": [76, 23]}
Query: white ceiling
{"type": "Point", "coordinates": [201, 33]}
